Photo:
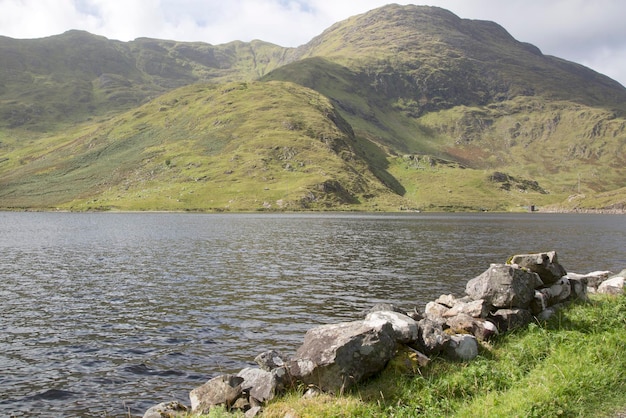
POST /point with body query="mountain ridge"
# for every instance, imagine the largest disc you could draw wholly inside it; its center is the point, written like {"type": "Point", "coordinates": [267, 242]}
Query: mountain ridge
{"type": "Point", "coordinates": [433, 108]}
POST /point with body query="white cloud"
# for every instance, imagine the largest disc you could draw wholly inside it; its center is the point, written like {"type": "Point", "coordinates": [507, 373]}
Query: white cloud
{"type": "Point", "coordinates": [590, 32]}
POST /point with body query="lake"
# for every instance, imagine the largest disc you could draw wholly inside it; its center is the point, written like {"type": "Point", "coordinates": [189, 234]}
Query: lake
{"type": "Point", "coordinates": [112, 313]}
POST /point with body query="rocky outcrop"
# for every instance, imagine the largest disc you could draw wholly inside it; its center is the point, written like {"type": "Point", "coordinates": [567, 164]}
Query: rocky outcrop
{"type": "Point", "coordinates": [336, 357]}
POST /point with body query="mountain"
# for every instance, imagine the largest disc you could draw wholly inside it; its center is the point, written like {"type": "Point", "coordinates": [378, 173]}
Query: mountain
{"type": "Point", "coordinates": [402, 107]}
{"type": "Point", "coordinates": [77, 75]}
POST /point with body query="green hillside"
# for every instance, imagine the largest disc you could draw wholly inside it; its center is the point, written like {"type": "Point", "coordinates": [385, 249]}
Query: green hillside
{"type": "Point", "coordinates": [403, 107]}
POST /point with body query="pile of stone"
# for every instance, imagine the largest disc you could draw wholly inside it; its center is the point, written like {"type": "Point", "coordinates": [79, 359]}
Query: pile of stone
{"type": "Point", "coordinates": [335, 357]}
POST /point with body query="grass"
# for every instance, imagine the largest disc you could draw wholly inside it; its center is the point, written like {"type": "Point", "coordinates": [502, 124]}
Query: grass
{"type": "Point", "coordinates": [571, 366]}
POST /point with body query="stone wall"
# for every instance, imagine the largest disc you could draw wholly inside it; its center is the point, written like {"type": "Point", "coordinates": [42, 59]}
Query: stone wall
{"type": "Point", "coordinates": [334, 357]}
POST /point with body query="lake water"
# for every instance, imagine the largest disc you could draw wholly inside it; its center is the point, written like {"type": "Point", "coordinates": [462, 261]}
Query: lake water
{"type": "Point", "coordinates": [111, 313]}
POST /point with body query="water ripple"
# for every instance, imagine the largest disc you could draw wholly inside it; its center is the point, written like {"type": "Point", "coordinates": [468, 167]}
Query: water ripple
{"type": "Point", "coordinates": [109, 313]}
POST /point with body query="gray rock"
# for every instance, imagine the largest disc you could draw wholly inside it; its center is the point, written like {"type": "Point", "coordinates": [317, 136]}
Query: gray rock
{"type": "Point", "coordinates": [253, 412]}
{"type": "Point", "coordinates": [579, 288]}
{"type": "Point", "coordinates": [381, 307]}
{"type": "Point", "coordinates": [480, 328]}
{"type": "Point", "coordinates": [504, 286]}
{"type": "Point", "coordinates": [270, 360]}
{"type": "Point", "coordinates": [546, 265]}
{"type": "Point", "coordinates": [404, 327]}
{"type": "Point", "coordinates": [166, 410]}
{"type": "Point", "coordinates": [431, 338]}
{"type": "Point", "coordinates": [462, 347]}
{"type": "Point", "coordinates": [560, 291]}
{"type": "Point", "coordinates": [260, 384]}
{"type": "Point", "coordinates": [509, 319]}
{"type": "Point", "coordinates": [435, 312]}
{"type": "Point", "coordinates": [540, 301]}
{"type": "Point", "coordinates": [475, 308]}
{"type": "Point", "coordinates": [612, 286]}
{"type": "Point", "coordinates": [593, 279]}
{"type": "Point", "coordinates": [447, 300]}
{"type": "Point", "coordinates": [549, 312]}
{"type": "Point", "coordinates": [335, 357]}
{"type": "Point", "coordinates": [221, 390]}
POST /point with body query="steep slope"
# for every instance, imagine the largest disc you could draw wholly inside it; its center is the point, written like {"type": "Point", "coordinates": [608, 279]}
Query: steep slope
{"type": "Point", "coordinates": [76, 75]}
{"type": "Point", "coordinates": [420, 80]}
{"type": "Point", "coordinates": [242, 146]}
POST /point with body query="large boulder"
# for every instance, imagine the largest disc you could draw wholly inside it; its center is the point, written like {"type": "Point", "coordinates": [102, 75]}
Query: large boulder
{"type": "Point", "coordinates": [336, 356]}
{"type": "Point", "coordinates": [221, 390]}
{"type": "Point", "coordinates": [404, 327]}
{"type": "Point", "coordinates": [546, 265]}
{"type": "Point", "coordinates": [504, 286]}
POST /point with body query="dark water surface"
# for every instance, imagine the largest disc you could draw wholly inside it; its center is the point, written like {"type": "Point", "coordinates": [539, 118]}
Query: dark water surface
{"type": "Point", "coordinates": [111, 313]}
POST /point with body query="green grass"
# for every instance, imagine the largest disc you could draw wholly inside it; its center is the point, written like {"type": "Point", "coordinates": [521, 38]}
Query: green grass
{"type": "Point", "coordinates": [571, 366]}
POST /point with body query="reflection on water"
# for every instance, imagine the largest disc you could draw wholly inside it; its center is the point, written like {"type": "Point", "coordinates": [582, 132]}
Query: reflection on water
{"type": "Point", "coordinates": [106, 313]}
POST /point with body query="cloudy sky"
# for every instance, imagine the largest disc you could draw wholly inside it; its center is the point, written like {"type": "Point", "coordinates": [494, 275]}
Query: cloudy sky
{"type": "Point", "coordinates": [590, 32]}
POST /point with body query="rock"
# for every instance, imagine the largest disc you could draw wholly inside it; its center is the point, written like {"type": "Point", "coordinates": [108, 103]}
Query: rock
{"type": "Point", "coordinates": [475, 308]}
{"type": "Point", "coordinates": [509, 319]}
{"type": "Point", "coordinates": [431, 338]}
{"type": "Point", "coordinates": [593, 279]}
{"type": "Point", "coordinates": [460, 324]}
{"type": "Point", "coordinates": [560, 291]}
{"type": "Point", "coordinates": [540, 301]}
{"type": "Point", "coordinates": [166, 410]}
{"type": "Point", "coordinates": [221, 390]}
{"type": "Point", "coordinates": [480, 328]}
{"type": "Point", "coordinates": [612, 286]}
{"type": "Point", "coordinates": [546, 265]}
{"type": "Point", "coordinates": [270, 360]}
{"type": "Point", "coordinates": [260, 384]}
{"type": "Point", "coordinates": [462, 347]}
{"type": "Point", "coordinates": [407, 361]}
{"type": "Point", "coordinates": [253, 412]}
{"type": "Point", "coordinates": [242, 404]}
{"type": "Point", "coordinates": [484, 329]}
{"type": "Point", "coordinates": [504, 286]}
{"type": "Point", "coordinates": [446, 300]}
{"type": "Point", "coordinates": [549, 312]}
{"type": "Point", "coordinates": [404, 327]}
{"type": "Point", "coordinates": [334, 357]}
{"type": "Point", "coordinates": [382, 307]}
{"type": "Point", "coordinates": [579, 288]}
{"type": "Point", "coordinates": [435, 311]}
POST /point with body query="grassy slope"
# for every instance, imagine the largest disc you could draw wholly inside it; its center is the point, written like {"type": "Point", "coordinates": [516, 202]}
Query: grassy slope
{"type": "Point", "coordinates": [241, 146]}
{"type": "Point", "coordinates": [410, 81]}
{"type": "Point", "coordinates": [571, 366]}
